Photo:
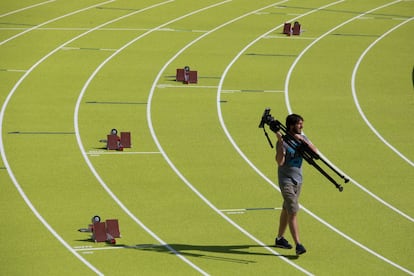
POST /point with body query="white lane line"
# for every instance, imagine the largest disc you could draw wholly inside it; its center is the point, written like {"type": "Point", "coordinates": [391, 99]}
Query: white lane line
{"type": "Point", "coordinates": [289, 108]}
{"type": "Point", "coordinates": [13, 70]}
{"type": "Point", "coordinates": [2, 151]}
{"type": "Point", "coordinates": [288, 37]}
{"type": "Point", "coordinates": [97, 153]}
{"type": "Point", "coordinates": [364, 189]}
{"type": "Point", "coordinates": [174, 168]}
{"type": "Point", "coordinates": [102, 29]}
{"type": "Point", "coordinates": [91, 49]}
{"type": "Point", "coordinates": [185, 86]}
{"type": "Point", "coordinates": [224, 90]}
{"type": "Point", "coordinates": [53, 20]}
{"type": "Point", "coordinates": [99, 248]}
{"type": "Point", "coordinates": [4, 156]}
{"type": "Point", "coordinates": [97, 176]}
{"type": "Point", "coordinates": [251, 209]}
{"type": "Point", "coordinates": [250, 91]}
{"type": "Point", "coordinates": [241, 211]}
{"type": "Point", "coordinates": [26, 8]}
{"type": "Point", "coordinates": [87, 249]}
{"type": "Point", "coordinates": [354, 93]}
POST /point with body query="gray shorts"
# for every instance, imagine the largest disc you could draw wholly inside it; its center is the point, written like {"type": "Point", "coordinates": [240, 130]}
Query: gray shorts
{"type": "Point", "coordinates": [290, 193]}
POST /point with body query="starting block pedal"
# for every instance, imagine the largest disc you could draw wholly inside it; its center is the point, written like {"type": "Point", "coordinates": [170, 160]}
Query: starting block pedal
{"type": "Point", "coordinates": [126, 139]}
{"type": "Point", "coordinates": [296, 28]}
{"type": "Point", "coordinates": [112, 228]}
{"type": "Point", "coordinates": [179, 75]}
{"type": "Point", "coordinates": [287, 28]}
{"type": "Point", "coordinates": [193, 77]}
{"type": "Point", "coordinates": [112, 142]}
{"type": "Point", "coordinates": [99, 232]}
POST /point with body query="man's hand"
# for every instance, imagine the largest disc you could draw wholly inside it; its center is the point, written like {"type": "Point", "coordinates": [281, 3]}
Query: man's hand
{"type": "Point", "coordinates": [279, 136]}
{"type": "Point", "coordinates": [299, 138]}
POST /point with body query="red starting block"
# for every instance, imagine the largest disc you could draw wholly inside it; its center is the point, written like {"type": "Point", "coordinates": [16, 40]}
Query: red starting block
{"type": "Point", "coordinates": [296, 28]}
{"type": "Point", "coordinates": [112, 228]}
{"type": "Point", "coordinates": [99, 232]}
{"type": "Point", "coordinates": [114, 142]}
{"type": "Point", "coordinates": [126, 139]}
{"type": "Point", "coordinates": [288, 29]}
{"type": "Point", "coordinates": [103, 231]}
{"type": "Point", "coordinates": [180, 75]}
{"type": "Point", "coordinates": [186, 75]}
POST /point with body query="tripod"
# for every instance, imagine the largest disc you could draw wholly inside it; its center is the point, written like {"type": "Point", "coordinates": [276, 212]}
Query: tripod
{"type": "Point", "coordinates": [303, 148]}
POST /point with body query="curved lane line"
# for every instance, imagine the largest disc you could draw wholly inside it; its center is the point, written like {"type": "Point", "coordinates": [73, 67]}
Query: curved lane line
{"type": "Point", "coordinates": [53, 20]}
{"type": "Point", "coordinates": [265, 177]}
{"type": "Point", "coordinates": [354, 93]}
{"type": "Point", "coordinates": [84, 153]}
{"type": "Point", "coordinates": [2, 150]}
{"type": "Point", "coordinates": [3, 153]}
{"type": "Point", "coordinates": [26, 8]}
{"type": "Point", "coordinates": [290, 108]}
{"type": "Point", "coordinates": [174, 168]}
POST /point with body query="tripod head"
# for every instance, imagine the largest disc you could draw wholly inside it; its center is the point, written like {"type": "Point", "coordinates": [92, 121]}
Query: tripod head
{"type": "Point", "coordinates": [267, 119]}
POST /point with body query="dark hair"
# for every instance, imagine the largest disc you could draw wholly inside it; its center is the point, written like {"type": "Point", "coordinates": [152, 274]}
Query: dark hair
{"type": "Point", "coordinates": [292, 120]}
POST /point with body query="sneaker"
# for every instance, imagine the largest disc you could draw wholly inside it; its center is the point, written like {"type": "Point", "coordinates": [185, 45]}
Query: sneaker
{"type": "Point", "coordinates": [300, 249]}
{"type": "Point", "coordinates": [282, 243]}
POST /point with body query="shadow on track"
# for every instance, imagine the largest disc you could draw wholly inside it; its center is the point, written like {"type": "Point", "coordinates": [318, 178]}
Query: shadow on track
{"type": "Point", "coordinates": [201, 251]}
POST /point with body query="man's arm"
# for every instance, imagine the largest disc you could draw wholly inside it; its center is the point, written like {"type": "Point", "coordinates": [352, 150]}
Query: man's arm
{"type": "Point", "coordinates": [302, 139]}
{"type": "Point", "coordinates": [280, 150]}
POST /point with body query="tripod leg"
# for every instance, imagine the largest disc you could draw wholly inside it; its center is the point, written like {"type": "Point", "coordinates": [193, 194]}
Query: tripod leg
{"type": "Point", "coordinates": [333, 169]}
{"type": "Point", "coordinates": [308, 156]}
{"type": "Point", "coordinates": [268, 139]}
{"type": "Point", "coordinates": [313, 163]}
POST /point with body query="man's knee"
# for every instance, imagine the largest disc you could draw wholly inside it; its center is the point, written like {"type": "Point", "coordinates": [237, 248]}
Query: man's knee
{"type": "Point", "coordinates": [292, 215]}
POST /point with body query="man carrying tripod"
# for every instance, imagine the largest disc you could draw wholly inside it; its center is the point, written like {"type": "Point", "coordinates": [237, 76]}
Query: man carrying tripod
{"type": "Point", "coordinates": [289, 162]}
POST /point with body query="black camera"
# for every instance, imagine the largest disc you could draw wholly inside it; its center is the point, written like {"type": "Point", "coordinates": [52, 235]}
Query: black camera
{"type": "Point", "coordinates": [268, 119]}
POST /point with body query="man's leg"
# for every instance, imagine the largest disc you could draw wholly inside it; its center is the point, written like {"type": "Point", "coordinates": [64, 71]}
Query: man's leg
{"type": "Point", "coordinates": [293, 227]}
{"type": "Point", "coordinates": [283, 222]}
{"type": "Point", "coordinates": [294, 230]}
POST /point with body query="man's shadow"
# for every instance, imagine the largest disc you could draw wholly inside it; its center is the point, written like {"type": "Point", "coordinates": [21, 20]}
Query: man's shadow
{"type": "Point", "coordinates": [201, 251]}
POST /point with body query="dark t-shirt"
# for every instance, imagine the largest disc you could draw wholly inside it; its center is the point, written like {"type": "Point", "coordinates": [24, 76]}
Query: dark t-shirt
{"type": "Point", "coordinates": [291, 170]}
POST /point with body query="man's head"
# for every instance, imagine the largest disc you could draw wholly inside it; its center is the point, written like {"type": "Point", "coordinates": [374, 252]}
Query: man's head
{"type": "Point", "coordinates": [294, 123]}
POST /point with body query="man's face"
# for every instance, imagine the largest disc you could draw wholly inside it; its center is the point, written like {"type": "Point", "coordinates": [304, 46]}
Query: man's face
{"type": "Point", "coordinates": [297, 128]}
